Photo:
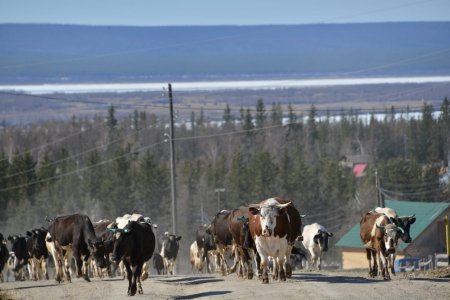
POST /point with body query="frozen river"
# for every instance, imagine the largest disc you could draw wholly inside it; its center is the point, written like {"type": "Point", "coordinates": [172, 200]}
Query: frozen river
{"type": "Point", "coordinates": [216, 85]}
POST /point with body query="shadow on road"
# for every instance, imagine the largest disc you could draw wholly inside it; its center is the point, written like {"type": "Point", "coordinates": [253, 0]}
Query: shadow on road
{"type": "Point", "coordinates": [36, 286]}
{"type": "Point", "coordinates": [201, 295]}
{"type": "Point", "coordinates": [191, 280]}
{"type": "Point", "coordinates": [333, 279]}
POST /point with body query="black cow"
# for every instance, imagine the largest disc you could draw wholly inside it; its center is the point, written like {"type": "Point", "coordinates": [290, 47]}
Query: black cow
{"type": "Point", "coordinates": [205, 243]}
{"type": "Point", "coordinates": [38, 253]}
{"type": "Point", "coordinates": [169, 245]}
{"type": "Point", "coordinates": [76, 232]}
{"type": "Point", "coordinates": [4, 255]}
{"type": "Point", "coordinates": [19, 248]}
{"type": "Point", "coordinates": [134, 245]}
{"type": "Point", "coordinates": [107, 237]}
{"type": "Point", "coordinates": [220, 228]}
{"type": "Point", "coordinates": [158, 263]}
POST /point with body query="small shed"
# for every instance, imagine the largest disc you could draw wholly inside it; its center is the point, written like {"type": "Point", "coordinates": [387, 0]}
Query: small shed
{"type": "Point", "coordinates": [427, 233]}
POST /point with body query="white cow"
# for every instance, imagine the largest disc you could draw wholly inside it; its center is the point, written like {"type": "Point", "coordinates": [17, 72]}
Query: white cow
{"type": "Point", "coordinates": [315, 240]}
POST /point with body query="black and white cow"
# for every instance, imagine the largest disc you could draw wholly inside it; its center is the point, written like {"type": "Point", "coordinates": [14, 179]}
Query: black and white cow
{"type": "Point", "coordinates": [169, 245]}
{"type": "Point", "coordinates": [38, 253]}
{"type": "Point", "coordinates": [315, 240]}
{"type": "Point", "coordinates": [20, 255]}
{"type": "Point", "coordinates": [134, 245]}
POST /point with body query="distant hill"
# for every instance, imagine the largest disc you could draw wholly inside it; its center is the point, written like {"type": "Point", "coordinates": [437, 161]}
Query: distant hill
{"type": "Point", "coordinates": [53, 53]}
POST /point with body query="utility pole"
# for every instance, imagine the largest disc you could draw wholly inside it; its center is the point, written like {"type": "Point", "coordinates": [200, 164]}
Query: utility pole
{"type": "Point", "coordinates": [172, 164]}
{"type": "Point", "coordinates": [218, 191]}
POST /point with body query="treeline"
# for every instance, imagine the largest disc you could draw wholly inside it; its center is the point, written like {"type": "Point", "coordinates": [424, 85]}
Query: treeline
{"type": "Point", "coordinates": [106, 167]}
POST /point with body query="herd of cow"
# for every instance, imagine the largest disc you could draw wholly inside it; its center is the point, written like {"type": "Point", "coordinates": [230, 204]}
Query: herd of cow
{"type": "Point", "coordinates": [270, 231]}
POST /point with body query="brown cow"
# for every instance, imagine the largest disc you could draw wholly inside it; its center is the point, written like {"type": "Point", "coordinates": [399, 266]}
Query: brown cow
{"type": "Point", "coordinates": [269, 227]}
{"type": "Point", "coordinates": [378, 235]}
{"type": "Point", "coordinates": [294, 233]}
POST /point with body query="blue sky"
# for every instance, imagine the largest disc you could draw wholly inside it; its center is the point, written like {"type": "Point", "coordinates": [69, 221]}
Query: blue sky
{"type": "Point", "coordinates": [223, 12]}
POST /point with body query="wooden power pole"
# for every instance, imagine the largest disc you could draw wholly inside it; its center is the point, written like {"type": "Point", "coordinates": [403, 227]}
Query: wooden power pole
{"type": "Point", "coordinates": [172, 164]}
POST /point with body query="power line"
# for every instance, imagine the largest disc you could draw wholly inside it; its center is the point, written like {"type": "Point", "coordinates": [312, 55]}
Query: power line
{"type": "Point", "coordinates": [80, 170]}
{"type": "Point", "coordinates": [79, 154]}
{"type": "Point", "coordinates": [50, 143]}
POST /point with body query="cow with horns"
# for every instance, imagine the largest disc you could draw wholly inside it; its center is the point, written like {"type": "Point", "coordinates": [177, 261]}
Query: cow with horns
{"type": "Point", "coordinates": [269, 227]}
{"type": "Point", "coordinates": [378, 235]}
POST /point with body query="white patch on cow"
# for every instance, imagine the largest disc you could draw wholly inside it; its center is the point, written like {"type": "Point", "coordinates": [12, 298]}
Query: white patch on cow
{"type": "Point", "coordinates": [377, 222]}
{"type": "Point", "coordinates": [389, 212]}
{"type": "Point", "coordinates": [271, 246]}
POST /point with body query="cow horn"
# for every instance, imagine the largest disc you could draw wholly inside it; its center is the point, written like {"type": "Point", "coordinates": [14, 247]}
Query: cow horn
{"type": "Point", "coordinates": [380, 226]}
{"type": "Point", "coordinates": [302, 216]}
{"type": "Point", "coordinates": [401, 229]}
{"type": "Point", "coordinates": [283, 205]}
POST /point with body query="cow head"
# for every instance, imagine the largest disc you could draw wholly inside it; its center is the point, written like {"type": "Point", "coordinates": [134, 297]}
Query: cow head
{"type": "Point", "coordinates": [390, 235]}
{"type": "Point", "coordinates": [208, 240]}
{"type": "Point", "coordinates": [404, 223]}
{"type": "Point", "coordinates": [123, 240]}
{"type": "Point", "coordinates": [170, 245]}
{"type": "Point", "coordinates": [98, 251]}
{"type": "Point", "coordinates": [321, 239]}
{"type": "Point", "coordinates": [36, 238]}
{"type": "Point", "coordinates": [268, 211]}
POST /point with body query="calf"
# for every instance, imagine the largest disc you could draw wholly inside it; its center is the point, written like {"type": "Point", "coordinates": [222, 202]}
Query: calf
{"type": "Point", "coordinates": [378, 235]}
{"type": "Point", "coordinates": [204, 243]}
{"type": "Point", "coordinates": [315, 241]}
{"type": "Point", "coordinates": [238, 227]}
{"type": "Point", "coordinates": [169, 245]}
{"type": "Point", "coordinates": [107, 237]}
{"type": "Point", "coordinates": [4, 255]}
{"type": "Point", "coordinates": [38, 253]}
{"type": "Point", "coordinates": [158, 263]}
{"type": "Point", "coordinates": [21, 256]}
{"type": "Point", "coordinates": [134, 245]}
{"type": "Point", "coordinates": [75, 233]}
{"type": "Point", "coordinates": [269, 227]}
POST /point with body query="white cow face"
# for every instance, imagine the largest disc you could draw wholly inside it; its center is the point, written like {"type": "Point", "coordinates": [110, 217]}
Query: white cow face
{"type": "Point", "coordinates": [268, 210]}
{"type": "Point", "coordinates": [391, 233]}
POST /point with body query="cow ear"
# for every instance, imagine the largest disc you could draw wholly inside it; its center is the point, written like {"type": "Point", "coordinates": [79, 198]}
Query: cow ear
{"type": "Point", "coordinates": [10, 238]}
{"type": "Point", "coordinates": [330, 234]}
{"type": "Point", "coordinates": [254, 210]}
{"type": "Point", "coordinates": [29, 233]}
{"type": "Point", "coordinates": [178, 238]}
{"type": "Point", "coordinates": [412, 220]}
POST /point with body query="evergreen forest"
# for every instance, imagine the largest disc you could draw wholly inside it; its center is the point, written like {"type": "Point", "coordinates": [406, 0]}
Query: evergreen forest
{"type": "Point", "coordinates": [105, 166]}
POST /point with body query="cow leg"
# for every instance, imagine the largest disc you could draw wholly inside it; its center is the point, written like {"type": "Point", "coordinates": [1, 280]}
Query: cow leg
{"type": "Point", "coordinates": [129, 277]}
{"type": "Point", "coordinates": [248, 261]}
{"type": "Point", "coordinates": [134, 272]}
{"type": "Point", "coordinates": [368, 255]}
{"type": "Point", "coordinates": [138, 278]}
{"type": "Point", "coordinates": [275, 270]}
{"type": "Point", "coordinates": [145, 272]}
{"type": "Point", "coordinates": [258, 264]}
{"type": "Point", "coordinates": [264, 275]}
{"type": "Point", "coordinates": [280, 263]}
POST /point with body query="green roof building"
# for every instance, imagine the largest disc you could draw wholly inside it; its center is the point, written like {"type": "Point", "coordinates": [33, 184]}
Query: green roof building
{"type": "Point", "coordinates": [427, 233]}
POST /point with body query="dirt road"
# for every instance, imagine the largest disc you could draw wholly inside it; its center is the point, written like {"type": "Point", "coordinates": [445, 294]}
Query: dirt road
{"type": "Point", "coordinates": [302, 285]}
